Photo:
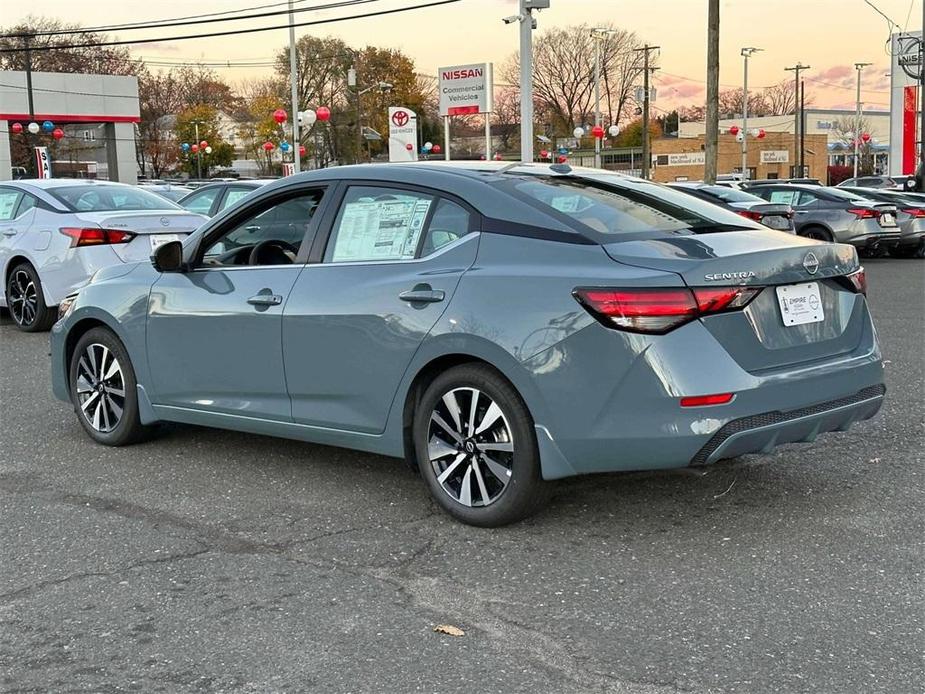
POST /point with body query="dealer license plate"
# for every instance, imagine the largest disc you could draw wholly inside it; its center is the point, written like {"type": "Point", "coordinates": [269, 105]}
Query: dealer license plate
{"type": "Point", "coordinates": [800, 303]}
{"type": "Point", "coordinates": [158, 240]}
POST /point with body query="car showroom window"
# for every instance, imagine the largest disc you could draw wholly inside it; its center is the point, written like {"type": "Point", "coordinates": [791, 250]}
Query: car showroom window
{"type": "Point", "coordinates": [280, 230]}
{"type": "Point", "coordinates": [8, 198]}
{"type": "Point", "coordinates": [378, 224]}
{"type": "Point", "coordinates": [449, 223]}
{"type": "Point", "coordinates": [622, 207]}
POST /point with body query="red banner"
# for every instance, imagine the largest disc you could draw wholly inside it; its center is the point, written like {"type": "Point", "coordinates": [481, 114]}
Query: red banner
{"type": "Point", "coordinates": [910, 131]}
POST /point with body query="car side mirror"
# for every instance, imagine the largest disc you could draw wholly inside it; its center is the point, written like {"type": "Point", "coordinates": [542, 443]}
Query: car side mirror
{"type": "Point", "coordinates": [168, 257]}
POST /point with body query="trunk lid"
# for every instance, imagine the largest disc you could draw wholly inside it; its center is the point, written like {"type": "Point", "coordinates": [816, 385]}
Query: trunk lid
{"type": "Point", "coordinates": [151, 229]}
{"type": "Point", "coordinates": [774, 215]}
{"type": "Point", "coordinates": [757, 336]}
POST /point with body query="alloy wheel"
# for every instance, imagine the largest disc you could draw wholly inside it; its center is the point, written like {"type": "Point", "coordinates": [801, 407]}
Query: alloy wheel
{"type": "Point", "coordinates": [23, 298]}
{"type": "Point", "coordinates": [100, 388]}
{"type": "Point", "coordinates": [470, 446]}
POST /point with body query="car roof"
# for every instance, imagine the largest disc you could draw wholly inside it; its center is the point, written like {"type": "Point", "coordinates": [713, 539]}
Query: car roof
{"type": "Point", "coordinates": [50, 183]}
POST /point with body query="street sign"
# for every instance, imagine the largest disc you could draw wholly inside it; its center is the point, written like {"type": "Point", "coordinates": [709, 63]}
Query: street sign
{"type": "Point", "coordinates": [775, 156]}
{"type": "Point", "coordinates": [42, 163]}
{"type": "Point", "coordinates": [403, 134]}
{"type": "Point", "coordinates": [465, 89]}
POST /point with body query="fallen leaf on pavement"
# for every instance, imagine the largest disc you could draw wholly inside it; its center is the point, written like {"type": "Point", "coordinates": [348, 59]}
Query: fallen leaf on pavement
{"type": "Point", "coordinates": [449, 630]}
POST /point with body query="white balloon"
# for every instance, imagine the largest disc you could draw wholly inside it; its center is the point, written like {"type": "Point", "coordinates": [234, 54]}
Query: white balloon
{"type": "Point", "coordinates": [753, 132]}
{"type": "Point", "coordinates": [428, 146]}
{"type": "Point", "coordinates": [614, 130]}
{"type": "Point", "coordinates": [740, 136]}
{"type": "Point", "coordinates": [209, 149]}
{"type": "Point", "coordinates": [578, 132]}
{"type": "Point", "coordinates": [34, 128]}
{"type": "Point", "coordinates": [308, 118]}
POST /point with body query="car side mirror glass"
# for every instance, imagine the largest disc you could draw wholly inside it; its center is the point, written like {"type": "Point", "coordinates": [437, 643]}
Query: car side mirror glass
{"type": "Point", "coordinates": [168, 257]}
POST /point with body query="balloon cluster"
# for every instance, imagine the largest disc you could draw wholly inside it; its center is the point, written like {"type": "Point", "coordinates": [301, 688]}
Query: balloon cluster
{"type": "Point", "coordinates": [431, 148]}
{"type": "Point", "coordinates": [195, 148]}
{"type": "Point", "coordinates": [34, 128]}
{"type": "Point", "coordinates": [739, 134]}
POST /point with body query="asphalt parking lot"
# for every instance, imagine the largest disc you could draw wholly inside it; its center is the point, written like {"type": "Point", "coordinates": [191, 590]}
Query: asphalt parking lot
{"type": "Point", "coordinates": [217, 561]}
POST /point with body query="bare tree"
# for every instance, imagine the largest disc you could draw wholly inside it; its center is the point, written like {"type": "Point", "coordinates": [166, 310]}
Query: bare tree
{"type": "Point", "coordinates": [505, 121]}
{"type": "Point", "coordinates": [160, 99]}
{"type": "Point", "coordinates": [732, 100]}
{"type": "Point", "coordinates": [563, 74]}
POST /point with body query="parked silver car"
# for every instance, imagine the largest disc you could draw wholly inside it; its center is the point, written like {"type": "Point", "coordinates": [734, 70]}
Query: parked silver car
{"type": "Point", "coordinates": [743, 203]}
{"type": "Point", "coordinates": [832, 214]}
{"type": "Point", "coordinates": [910, 214]}
{"type": "Point", "coordinates": [55, 234]}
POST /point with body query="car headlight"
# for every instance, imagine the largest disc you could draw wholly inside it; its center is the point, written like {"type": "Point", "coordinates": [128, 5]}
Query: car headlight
{"type": "Point", "coordinates": [66, 306]}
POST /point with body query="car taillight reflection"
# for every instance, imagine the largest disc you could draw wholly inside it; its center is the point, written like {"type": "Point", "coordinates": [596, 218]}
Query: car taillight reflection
{"type": "Point", "coordinates": [94, 236]}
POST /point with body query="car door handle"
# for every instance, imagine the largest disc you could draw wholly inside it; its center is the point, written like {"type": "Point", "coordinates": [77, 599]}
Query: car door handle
{"type": "Point", "coordinates": [9, 232]}
{"type": "Point", "coordinates": [265, 300]}
{"type": "Point", "coordinates": [424, 296]}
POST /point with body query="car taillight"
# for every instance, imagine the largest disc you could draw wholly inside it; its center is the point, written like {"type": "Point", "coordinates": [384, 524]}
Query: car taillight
{"type": "Point", "coordinates": [915, 211]}
{"type": "Point", "coordinates": [858, 281]}
{"type": "Point", "coordinates": [748, 214]}
{"type": "Point", "coordinates": [91, 236]}
{"type": "Point", "coordinates": [657, 311]}
{"type": "Point", "coordinates": [864, 212]}
{"type": "Point", "coordinates": [706, 400]}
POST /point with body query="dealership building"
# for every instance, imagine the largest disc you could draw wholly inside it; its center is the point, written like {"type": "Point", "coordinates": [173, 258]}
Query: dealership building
{"type": "Point", "coordinates": [97, 113]}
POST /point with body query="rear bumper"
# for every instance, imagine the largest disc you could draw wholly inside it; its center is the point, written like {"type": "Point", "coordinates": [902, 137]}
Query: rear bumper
{"type": "Point", "coordinates": [875, 240]}
{"type": "Point", "coordinates": [913, 240]}
{"type": "Point", "coordinates": [760, 433]}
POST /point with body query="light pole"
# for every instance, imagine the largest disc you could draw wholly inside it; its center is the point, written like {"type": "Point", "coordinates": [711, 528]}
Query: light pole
{"type": "Point", "coordinates": [598, 35]}
{"type": "Point", "coordinates": [527, 25]}
{"type": "Point", "coordinates": [199, 150]}
{"type": "Point", "coordinates": [294, 87]}
{"type": "Point", "coordinates": [746, 53]}
{"type": "Point", "coordinates": [383, 87]}
{"type": "Point", "coordinates": [797, 113]}
{"type": "Point", "coordinates": [857, 116]}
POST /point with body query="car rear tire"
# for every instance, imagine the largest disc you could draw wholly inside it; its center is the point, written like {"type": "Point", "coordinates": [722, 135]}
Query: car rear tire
{"type": "Point", "coordinates": [816, 233]}
{"type": "Point", "coordinates": [476, 447]}
{"type": "Point", "coordinates": [26, 302]}
{"type": "Point", "coordinates": [103, 389]}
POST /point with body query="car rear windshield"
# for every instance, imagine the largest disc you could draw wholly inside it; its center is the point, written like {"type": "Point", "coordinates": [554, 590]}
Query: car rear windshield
{"type": "Point", "coordinates": [103, 198]}
{"type": "Point", "coordinates": [601, 206]}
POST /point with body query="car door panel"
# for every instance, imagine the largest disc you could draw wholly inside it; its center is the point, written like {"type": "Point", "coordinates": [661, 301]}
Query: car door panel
{"type": "Point", "coordinates": [348, 335]}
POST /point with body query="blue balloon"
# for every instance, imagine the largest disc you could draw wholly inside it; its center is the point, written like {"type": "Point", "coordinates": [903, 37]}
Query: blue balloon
{"type": "Point", "coordinates": [48, 126]}
{"type": "Point", "coordinates": [185, 146]}
{"type": "Point", "coordinates": [563, 150]}
{"type": "Point", "coordinates": [284, 146]}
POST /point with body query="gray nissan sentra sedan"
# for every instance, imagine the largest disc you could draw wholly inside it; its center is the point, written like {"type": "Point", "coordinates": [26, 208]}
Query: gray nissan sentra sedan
{"type": "Point", "coordinates": [499, 326]}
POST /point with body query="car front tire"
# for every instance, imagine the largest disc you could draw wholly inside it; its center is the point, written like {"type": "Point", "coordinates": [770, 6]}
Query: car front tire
{"type": "Point", "coordinates": [26, 302]}
{"type": "Point", "coordinates": [102, 384]}
{"type": "Point", "coordinates": [476, 447]}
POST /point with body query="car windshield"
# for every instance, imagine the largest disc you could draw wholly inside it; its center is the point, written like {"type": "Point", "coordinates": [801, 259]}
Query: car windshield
{"type": "Point", "coordinates": [103, 198]}
{"type": "Point", "coordinates": [613, 205]}
{"type": "Point", "coordinates": [844, 195]}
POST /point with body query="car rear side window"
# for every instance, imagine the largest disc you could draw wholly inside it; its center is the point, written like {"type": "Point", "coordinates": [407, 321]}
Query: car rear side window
{"type": "Point", "coordinates": [378, 224]}
{"type": "Point", "coordinates": [783, 197]}
{"type": "Point", "coordinates": [8, 198]}
{"type": "Point", "coordinates": [449, 223]}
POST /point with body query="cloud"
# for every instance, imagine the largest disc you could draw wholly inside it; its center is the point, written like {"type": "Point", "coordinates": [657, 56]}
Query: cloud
{"type": "Point", "coordinates": [836, 72]}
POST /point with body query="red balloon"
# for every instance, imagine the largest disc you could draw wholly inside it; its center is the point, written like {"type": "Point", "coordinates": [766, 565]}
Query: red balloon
{"type": "Point", "coordinates": [267, 146]}
{"type": "Point", "coordinates": [761, 133]}
{"type": "Point", "coordinates": [437, 149]}
{"type": "Point", "coordinates": [562, 159]}
{"type": "Point", "coordinates": [302, 150]}
{"type": "Point", "coordinates": [409, 146]}
{"type": "Point", "coordinates": [865, 137]}
{"type": "Point", "coordinates": [323, 113]}
{"type": "Point", "coordinates": [498, 156]}
{"type": "Point", "coordinates": [598, 132]}
{"type": "Point", "coordinates": [280, 116]}
{"type": "Point", "coordinates": [203, 144]}
{"type": "Point", "coordinates": [57, 133]}
{"type": "Point", "coordinates": [194, 148]}
{"type": "Point", "coordinates": [734, 130]}
{"type": "Point", "coordinates": [16, 128]}
{"type": "Point", "coordinates": [544, 154]}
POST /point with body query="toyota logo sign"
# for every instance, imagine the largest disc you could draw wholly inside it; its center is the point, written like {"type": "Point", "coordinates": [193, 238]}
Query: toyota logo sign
{"type": "Point", "coordinates": [400, 118]}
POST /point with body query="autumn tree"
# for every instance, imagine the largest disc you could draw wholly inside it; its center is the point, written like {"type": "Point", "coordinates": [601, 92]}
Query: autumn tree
{"type": "Point", "coordinates": [563, 74]}
{"type": "Point", "coordinates": [159, 102]}
{"type": "Point", "coordinates": [845, 130]}
{"type": "Point", "coordinates": [206, 117]}
{"type": "Point", "coordinates": [631, 135]}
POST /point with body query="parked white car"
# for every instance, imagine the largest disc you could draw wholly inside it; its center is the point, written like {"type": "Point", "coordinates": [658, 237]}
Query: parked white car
{"type": "Point", "coordinates": [56, 233]}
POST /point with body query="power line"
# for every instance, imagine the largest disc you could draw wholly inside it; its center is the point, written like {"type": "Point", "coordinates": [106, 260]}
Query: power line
{"type": "Point", "coordinates": [161, 24]}
{"type": "Point", "coordinates": [316, 22]}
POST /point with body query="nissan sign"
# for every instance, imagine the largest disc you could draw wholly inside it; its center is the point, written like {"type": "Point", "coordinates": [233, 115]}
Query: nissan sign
{"type": "Point", "coordinates": [465, 89]}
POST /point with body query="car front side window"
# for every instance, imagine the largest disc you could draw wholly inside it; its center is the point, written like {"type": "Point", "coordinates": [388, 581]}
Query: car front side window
{"type": "Point", "coordinates": [201, 202]}
{"type": "Point", "coordinates": [272, 235]}
{"type": "Point", "coordinates": [783, 197]}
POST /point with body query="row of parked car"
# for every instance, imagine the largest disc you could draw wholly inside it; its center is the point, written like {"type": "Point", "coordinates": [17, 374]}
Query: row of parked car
{"type": "Point", "coordinates": [876, 220]}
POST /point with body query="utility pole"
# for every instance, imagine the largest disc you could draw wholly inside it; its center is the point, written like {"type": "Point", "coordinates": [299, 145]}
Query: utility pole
{"type": "Point", "coordinates": [598, 35]}
{"type": "Point", "coordinates": [711, 136]}
{"type": "Point", "coordinates": [198, 150]}
{"type": "Point", "coordinates": [797, 109]}
{"type": "Point", "coordinates": [857, 117]}
{"type": "Point", "coordinates": [802, 127]}
{"type": "Point", "coordinates": [922, 103]}
{"type": "Point", "coordinates": [527, 25]}
{"type": "Point", "coordinates": [294, 85]}
{"type": "Point", "coordinates": [646, 157]}
{"type": "Point", "coordinates": [746, 53]}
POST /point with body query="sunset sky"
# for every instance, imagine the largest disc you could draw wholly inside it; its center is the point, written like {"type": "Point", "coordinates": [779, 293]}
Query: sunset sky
{"type": "Point", "coordinates": [829, 35]}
